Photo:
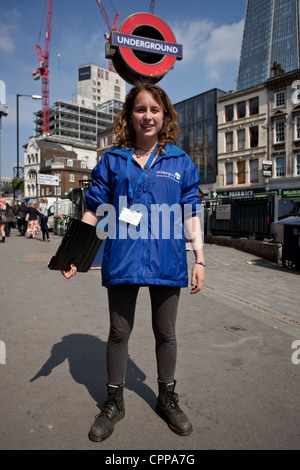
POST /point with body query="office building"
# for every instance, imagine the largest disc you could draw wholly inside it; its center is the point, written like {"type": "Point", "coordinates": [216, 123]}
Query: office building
{"type": "Point", "coordinates": [197, 120]}
{"type": "Point", "coordinates": [79, 122]}
{"type": "Point", "coordinates": [259, 140]}
{"type": "Point", "coordinates": [271, 34]}
{"type": "Point", "coordinates": [97, 85]}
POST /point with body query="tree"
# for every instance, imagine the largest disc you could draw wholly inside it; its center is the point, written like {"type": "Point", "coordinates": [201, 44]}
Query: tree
{"type": "Point", "coordinates": [17, 183]}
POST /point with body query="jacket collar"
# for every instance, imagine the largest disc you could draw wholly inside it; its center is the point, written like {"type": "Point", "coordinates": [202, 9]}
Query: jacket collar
{"type": "Point", "coordinates": [170, 149]}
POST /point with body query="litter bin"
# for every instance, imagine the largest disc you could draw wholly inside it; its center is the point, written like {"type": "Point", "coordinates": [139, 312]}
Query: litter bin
{"type": "Point", "coordinates": [61, 222]}
{"type": "Point", "coordinates": [290, 239]}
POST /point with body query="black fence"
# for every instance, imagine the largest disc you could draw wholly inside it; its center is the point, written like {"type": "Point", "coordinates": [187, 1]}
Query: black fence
{"type": "Point", "coordinates": [249, 216]}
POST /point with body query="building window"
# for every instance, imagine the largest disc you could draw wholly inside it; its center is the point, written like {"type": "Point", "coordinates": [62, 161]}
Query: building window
{"type": "Point", "coordinates": [241, 166]}
{"type": "Point", "coordinates": [297, 128]}
{"type": "Point", "coordinates": [48, 162]}
{"type": "Point", "coordinates": [279, 99]}
{"type": "Point", "coordinates": [298, 164]}
{"type": "Point", "coordinates": [82, 164]}
{"type": "Point", "coordinates": [103, 142]}
{"type": "Point", "coordinates": [241, 109]}
{"type": "Point", "coordinates": [279, 132]}
{"type": "Point", "coordinates": [69, 162]}
{"type": "Point", "coordinates": [254, 171]}
{"type": "Point", "coordinates": [229, 142]}
{"type": "Point", "coordinates": [71, 178]}
{"type": "Point", "coordinates": [57, 191]}
{"type": "Point", "coordinates": [241, 139]}
{"type": "Point", "coordinates": [280, 166]}
{"type": "Point", "coordinates": [229, 173]}
{"type": "Point", "coordinates": [253, 137]}
{"type": "Point", "coordinates": [229, 113]}
{"type": "Point", "coordinates": [254, 106]}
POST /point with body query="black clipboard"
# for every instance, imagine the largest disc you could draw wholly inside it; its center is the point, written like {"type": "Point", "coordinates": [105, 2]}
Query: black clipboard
{"type": "Point", "coordinates": [79, 246]}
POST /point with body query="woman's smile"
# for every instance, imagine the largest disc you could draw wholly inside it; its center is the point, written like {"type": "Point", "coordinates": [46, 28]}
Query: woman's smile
{"type": "Point", "coordinates": [147, 116]}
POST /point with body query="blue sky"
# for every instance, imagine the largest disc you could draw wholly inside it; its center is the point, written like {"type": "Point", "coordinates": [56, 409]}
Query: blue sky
{"type": "Point", "coordinates": [210, 31]}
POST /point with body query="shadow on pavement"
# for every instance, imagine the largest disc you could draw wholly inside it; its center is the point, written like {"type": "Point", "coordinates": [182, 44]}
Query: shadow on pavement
{"type": "Point", "coordinates": [87, 364]}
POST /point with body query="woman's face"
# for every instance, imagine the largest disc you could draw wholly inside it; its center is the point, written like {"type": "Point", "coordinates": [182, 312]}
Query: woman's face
{"type": "Point", "coordinates": [147, 116]}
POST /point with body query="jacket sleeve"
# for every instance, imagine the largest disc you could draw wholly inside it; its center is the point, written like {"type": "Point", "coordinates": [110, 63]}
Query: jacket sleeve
{"type": "Point", "coordinates": [99, 192]}
{"type": "Point", "coordinates": [190, 201]}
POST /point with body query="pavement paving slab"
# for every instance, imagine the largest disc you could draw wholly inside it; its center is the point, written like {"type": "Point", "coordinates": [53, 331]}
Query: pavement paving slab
{"type": "Point", "coordinates": [238, 369]}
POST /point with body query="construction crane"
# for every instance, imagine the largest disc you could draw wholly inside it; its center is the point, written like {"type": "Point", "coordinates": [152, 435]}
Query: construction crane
{"type": "Point", "coordinates": [110, 27]}
{"type": "Point", "coordinates": [43, 69]}
{"type": "Point", "coordinates": [152, 5]}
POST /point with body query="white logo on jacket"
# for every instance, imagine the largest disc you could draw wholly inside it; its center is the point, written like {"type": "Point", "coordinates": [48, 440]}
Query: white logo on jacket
{"type": "Point", "coordinates": [167, 174]}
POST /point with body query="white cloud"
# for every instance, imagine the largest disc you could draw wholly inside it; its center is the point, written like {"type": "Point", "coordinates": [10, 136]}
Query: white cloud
{"type": "Point", "coordinates": [211, 48]}
{"type": "Point", "coordinates": [8, 31]}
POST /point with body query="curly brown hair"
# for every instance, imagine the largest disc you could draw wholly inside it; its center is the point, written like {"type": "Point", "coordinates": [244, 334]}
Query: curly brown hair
{"type": "Point", "coordinates": [123, 128]}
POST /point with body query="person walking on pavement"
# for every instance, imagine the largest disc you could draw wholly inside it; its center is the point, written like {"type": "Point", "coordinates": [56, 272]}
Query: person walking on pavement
{"type": "Point", "coordinates": [33, 227]}
{"type": "Point", "coordinates": [146, 168]}
{"type": "Point", "coordinates": [43, 211]}
{"type": "Point", "coordinates": [2, 218]}
{"type": "Point", "coordinates": [21, 218]}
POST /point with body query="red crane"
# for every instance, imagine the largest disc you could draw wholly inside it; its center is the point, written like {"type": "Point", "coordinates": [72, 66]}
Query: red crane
{"type": "Point", "coordinates": [110, 27]}
{"type": "Point", "coordinates": [152, 5]}
{"type": "Point", "coordinates": [43, 69]}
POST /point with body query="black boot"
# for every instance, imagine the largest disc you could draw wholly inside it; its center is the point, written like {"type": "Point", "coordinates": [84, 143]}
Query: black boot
{"type": "Point", "coordinates": [3, 240]}
{"type": "Point", "coordinates": [113, 411]}
{"type": "Point", "coordinates": [167, 408]}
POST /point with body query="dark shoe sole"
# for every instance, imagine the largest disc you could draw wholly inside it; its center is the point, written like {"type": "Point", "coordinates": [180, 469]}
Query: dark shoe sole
{"type": "Point", "coordinates": [95, 438]}
{"type": "Point", "coordinates": [177, 431]}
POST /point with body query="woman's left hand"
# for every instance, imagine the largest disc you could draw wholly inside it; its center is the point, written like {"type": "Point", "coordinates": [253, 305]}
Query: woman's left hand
{"type": "Point", "coordinates": [198, 278]}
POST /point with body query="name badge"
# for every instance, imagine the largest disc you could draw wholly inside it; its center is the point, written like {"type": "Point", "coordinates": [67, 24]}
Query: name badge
{"type": "Point", "coordinates": [130, 217]}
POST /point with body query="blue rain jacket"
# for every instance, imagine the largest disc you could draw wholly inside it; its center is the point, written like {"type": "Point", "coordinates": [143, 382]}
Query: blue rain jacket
{"type": "Point", "coordinates": [154, 252]}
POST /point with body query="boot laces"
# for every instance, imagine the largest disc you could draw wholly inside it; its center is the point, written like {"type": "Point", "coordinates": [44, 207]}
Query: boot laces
{"type": "Point", "coordinates": [109, 406]}
{"type": "Point", "coordinates": [172, 400]}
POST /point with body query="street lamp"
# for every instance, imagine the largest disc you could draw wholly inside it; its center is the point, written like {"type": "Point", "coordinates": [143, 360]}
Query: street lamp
{"type": "Point", "coordinates": [34, 97]}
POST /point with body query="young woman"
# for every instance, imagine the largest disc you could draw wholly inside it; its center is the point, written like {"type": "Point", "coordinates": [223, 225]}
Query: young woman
{"type": "Point", "coordinates": [33, 227]}
{"type": "Point", "coordinates": [147, 171]}
{"type": "Point", "coordinates": [2, 218]}
{"type": "Point", "coordinates": [43, 212]}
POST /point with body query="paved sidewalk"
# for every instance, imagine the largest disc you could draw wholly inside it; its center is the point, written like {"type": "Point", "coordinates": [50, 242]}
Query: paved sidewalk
{"type": "Point", "coordinates": [235, 375]}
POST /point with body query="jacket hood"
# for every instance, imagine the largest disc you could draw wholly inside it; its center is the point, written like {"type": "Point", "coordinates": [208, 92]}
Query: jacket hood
{"type": "Point", "coordinates": [171, 151]}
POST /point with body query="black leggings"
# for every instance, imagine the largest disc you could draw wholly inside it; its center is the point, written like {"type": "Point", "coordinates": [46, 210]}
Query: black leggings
{"type": "Point", "coordinates": [122, 301]}
{"type": "Point", "coordinates": [44, 227]}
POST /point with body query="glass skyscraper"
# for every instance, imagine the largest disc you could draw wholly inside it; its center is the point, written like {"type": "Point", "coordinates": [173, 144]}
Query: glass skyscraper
{"type": "Point", "coordinates": [271, 34]}
{"type": "Point", "coordinates": [197, 119]}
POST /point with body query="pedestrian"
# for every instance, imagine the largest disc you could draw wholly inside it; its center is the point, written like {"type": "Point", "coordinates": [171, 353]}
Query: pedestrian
{"type": "Point", "coordinates": [2, 218]}
{"type": "Point", "coordinates": [33, 227]}
{"type": "Point", "coordinates": [10, 219]}
{"type": "Point", "coordinates": [147, 169]}
{"type": "Point", "coordinates": [43, 212]}
{"type": "Point", "coordinates": [21, 218]}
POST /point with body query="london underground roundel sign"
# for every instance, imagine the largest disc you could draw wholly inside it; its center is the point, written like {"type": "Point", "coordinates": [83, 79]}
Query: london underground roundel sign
{"type": "Point", "coordinates": [144, 47]}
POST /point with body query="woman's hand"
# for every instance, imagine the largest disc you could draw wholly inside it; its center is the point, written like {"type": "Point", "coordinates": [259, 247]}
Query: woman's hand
{"type": "Point", "coordinates": [198, 278]}
{"type": "Point", "coordinates": [70, 272]}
